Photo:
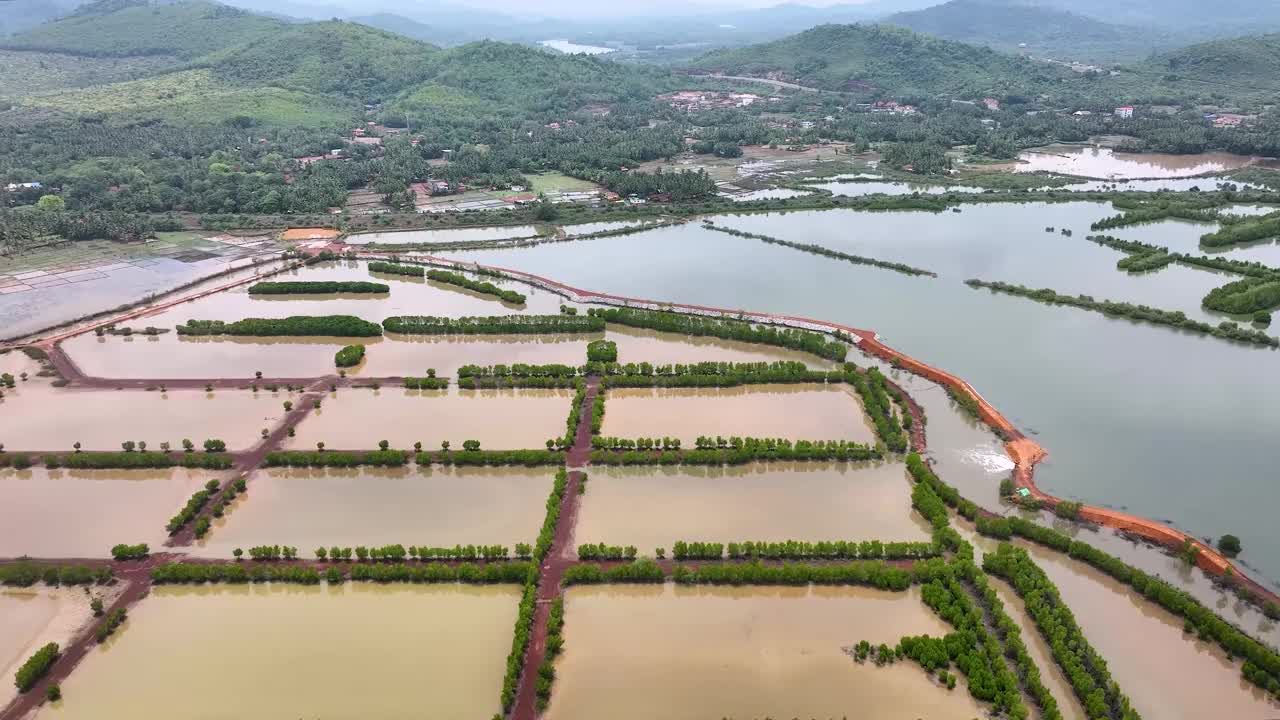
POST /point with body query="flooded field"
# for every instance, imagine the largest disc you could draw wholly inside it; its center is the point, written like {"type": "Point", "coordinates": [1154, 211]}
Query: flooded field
{"type": "Point", "coordinates": [697, 653]}
{"type": "Point", "coordinates": [57, 418]}
{"type": "Point", "coordinates": [768, 194]}
{"type": "Point", "coordinates": [298, 651]}
{"type": "Point", "coordinates": [1051, 676]}
{"type": "Point", "coordinates": [82, 513]}
{"type": "Point", "coordinates": [795, 412]}
{"type": "Point", "coordinates": [1104, 163]}
{"type": "Point", "coordinates": [652, 507]}
{"type": "Point", "coordinates": [1144, 646]}
{"type": "Point", "coordinates": [371, 506]}
{"type": "Point", "coordinates": [408, 237]}
{"type": "Point", "coordinates": [1051, 370]}
{"type": "Point", "coordinates": [499, 419]}
{"type": "Point", "coordinates": [659, 348]}
{"type": "Point", "coordinates": [31, 618]}
{"type": "Point", "coordinates": [595, 227]}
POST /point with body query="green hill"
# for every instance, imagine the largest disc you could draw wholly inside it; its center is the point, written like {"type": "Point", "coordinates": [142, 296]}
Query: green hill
{"type": "Point", "coordinates": [877, 59]}
{"type": "Point", "coordinates": [1237, 66]}
{"type": "Point", "coordinates": [184, 30]}
{"type": "Point", "coordinates": [1041, 31]}
{"type": "Point", "coordinates": [327, 57]}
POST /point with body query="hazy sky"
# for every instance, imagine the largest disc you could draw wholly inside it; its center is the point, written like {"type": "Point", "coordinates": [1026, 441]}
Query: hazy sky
{"type": "Point", "coordinates": [553, 7]}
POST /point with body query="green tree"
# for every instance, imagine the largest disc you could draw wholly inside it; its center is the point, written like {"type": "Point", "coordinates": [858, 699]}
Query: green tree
{"type": "Point", "coordinates": [52, 203]}
{"type": "Point", "coordinates": [1229, 545]}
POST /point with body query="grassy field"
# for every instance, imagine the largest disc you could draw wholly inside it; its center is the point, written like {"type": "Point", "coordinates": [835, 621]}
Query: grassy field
{"type": "Point", "coordinates": [556, 182]}
{"type": "Point", "coordinates": [197, 96]}
{"type": "Point", "coordinates": [34, 73]}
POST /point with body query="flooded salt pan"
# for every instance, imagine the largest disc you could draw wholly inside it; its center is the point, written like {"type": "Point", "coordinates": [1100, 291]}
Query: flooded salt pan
{"type": "Point", "coordinates": [82, 513]}
{"type": "Point", "coordinates": [293, 652]}
{"type": "Point", "coordinates": [443, 236]}
{"type": "Point", "coordinates": [435, 507]}
{"type": "Point", "coordinates": [697, 653]}
{"type": "Point", "coordinates": [499, 419]}
{"type": "Point", "coordinates": [653, 507]}
{"type": "Point", "coordinates": [795, 412]}
{"type": "Point", "coordinates": [32, 617]}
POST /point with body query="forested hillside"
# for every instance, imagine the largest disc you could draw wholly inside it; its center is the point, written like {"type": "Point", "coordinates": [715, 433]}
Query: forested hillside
{"type": "Point", "coordinates": [1013, 26]}
{"type": "Point", "coordinates": [184, 30]}
{"type": "Point", "coordinates": [873, 58]}
{"type": "Point", "coordinates": [1240, 64]}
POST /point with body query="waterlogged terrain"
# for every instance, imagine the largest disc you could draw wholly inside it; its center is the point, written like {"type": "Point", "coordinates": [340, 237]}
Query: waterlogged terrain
{"type": "Point", "coordinates": [659, 348]}
{"type": "Point", "coordinates": [82, 513]}
{"type": "Point", "coordinates": [700, 653]}
{"type": "Point", "coordinates": [652, 507]}
{"type": "Point", "coordinates": [31, 617]}
{"type": "Point", "coordinates": [795, 412]}
{"type": "Point", "coordinates": [300, 651]}
{"type": "Point", "coordinates": [1104, 163]}
{"type": "Point", "coordinates": [57, 418]}
{"type": "Point", "coordinates": [433, 507]}
{"type": "Point", "coordinates": [1115, 433]}
{"type": "Point", "coordinates": [408, 237]}
{"type": "Point", "coordinates": [499, 419]}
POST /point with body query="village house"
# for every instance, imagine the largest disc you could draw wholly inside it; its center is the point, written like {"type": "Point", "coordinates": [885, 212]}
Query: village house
{"type": "Point", "coordinates": [991, 103]}
{"type": "Point", "coordinates": [1124, 112]}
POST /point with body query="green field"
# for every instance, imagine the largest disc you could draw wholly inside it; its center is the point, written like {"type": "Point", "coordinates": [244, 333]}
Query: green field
{"type": "Point", "coordinates": [33, 73]}
{"type": "Point", "coordinates": [556, 182]}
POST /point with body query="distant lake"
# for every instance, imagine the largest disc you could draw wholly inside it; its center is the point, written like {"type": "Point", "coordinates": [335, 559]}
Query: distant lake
{"type": "Point", "coordinates": [569, 48]}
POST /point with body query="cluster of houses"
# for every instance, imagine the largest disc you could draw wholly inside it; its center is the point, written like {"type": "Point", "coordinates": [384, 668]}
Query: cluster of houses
{"type": "Point", "coordinates": [19, 187]}
{"type": "Point", "coordinates": [695, 100]}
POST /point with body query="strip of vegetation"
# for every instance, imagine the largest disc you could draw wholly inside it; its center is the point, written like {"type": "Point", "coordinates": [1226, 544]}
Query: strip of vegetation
{"type": "Point", "coordinates": [643, 570]}
{"type": "Point", "coordinates": [1084, 667]}
{"type": "Point", "coordinates": [713, 374]}
{"type": "Point", "coordinates": [1243, 230]}
{"type": "Point", "coordinates": [349, 356]}
{"type": "Point", "coordinates": [575, 412]}
{"type": "Point", "coordinates": [394, 269]}
{"type": "Point", "coordinates": [430, 382]}
{"type": "Point", "coordinates": [331, 458]}
{"type": "Point", "coordinates": [527, 458]}
{"type": "Point", "coordinates": [193, 507]}
{"type": "Point", "coordinates": [501, 325]}
{"type": "Point", "coordinates": [130, 552]}
{"type": "Point", "coordinates": [386, 553]}
{"type": "Point", "coordinates": [873, 573]}
{"type": "Point", "coordinates": [1175, 319]}
{"type": "Point", "coordinates": [518, 375]}
{"type": "Point", "coordinates": [36, 667]}
{"type": "Point", "coordinates": [1138, 214]}
{"type": "Point", "coordinates": [109, 624]}
{"type": "Point", "coordinates": [26, 574]}
{"type": "Point", "coordinates": [484, 288]}
{"type": "Point", "coordinates": [873, 387]}
{"type": "Point", "coordinates": [824, 251]}
{"type": "Point", "coordinates": [524, 617]}
{"type": "Point", "coordinates": [597, 413]}
{"type": "Point", "coordinates": [555, 644]}
{"type": "Point", "coordinates": [132, 460]}
{"type": "Point", "coordinates": [316, 287]}
{"type": "Point", "coordinates": [1262, 664]}
{"type": "Point", "coordinates": [741, 330]}
{"type": "Point", "coordinates": [1135, 264]}
{"type": "Point", "coordinates": [800, 550]}
{"type": "Point", "coordinates": [606, 552]}
{"type": "Point", "coordinates": [435, 572]}
{"type": "Point", "coordinates": [1245, 296]}
{"type": "Point", "coordinates": [295, 326]}
{"type": "Point", "coordinates": [726, 451]}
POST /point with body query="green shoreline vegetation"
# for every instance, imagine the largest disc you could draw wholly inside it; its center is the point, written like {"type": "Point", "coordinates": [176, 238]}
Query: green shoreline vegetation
{"type": "Point", "coordinates": [485, 288]}
{"type": "Point", "coordinates": [742, 330]}
{"type": "Point", "coordinates": [824, 251]}
{"type": "Point", "coordinates": [295, 326]}
{"type": "Point", "coordinates": [1174, 319]}
{"type": "Point", "coordinates": [317, 288]}
{"type": "Point", "coordinates": [396, 269]}
{"type": "Point", "coordinates": [504, 325]}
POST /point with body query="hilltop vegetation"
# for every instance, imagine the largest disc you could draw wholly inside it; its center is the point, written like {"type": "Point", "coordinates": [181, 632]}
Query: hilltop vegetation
{"type": "Point", "coordinates": [871, 58]}
{"type": "Point", "coordinates": [1045, 32]}
{"type": "Point", "coordinates": [1238, 65]}
{"type": "Point", "coordinates": [183, 30]}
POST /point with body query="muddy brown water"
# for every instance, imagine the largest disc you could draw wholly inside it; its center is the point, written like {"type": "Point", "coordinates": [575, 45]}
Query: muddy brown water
{"type": "Point", "coordinates": [368, 506]}
{"type": "Point", "coordinates": [57, 418]}
{"type": "Point", "coordinates": [32, 617]}
{"type": "Point", "coordinates": [172, 356]}
{"type": "Point", "coordinates": [676, 653]}
{"type": "Point", "coordinates": [1051, 676]}
{"type": "Point", "coordinates": [1106, 163]}
{"type": "Point", "coordinates": [796, 412]}
{"type": "Point", "coordinates": [82, 513]}
{"type": "Point", "coordinates": [653, 507]}
{"type": "Point", "coordinates": [301, 652]}
{"type": "Point", "coordinates": [500, 419]}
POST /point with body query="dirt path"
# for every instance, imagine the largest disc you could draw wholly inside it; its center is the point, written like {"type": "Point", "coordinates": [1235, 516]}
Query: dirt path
{"type": "Point", "coordinates": [136, 579]}
{"type": "Point", "coordinates": [559, 558]}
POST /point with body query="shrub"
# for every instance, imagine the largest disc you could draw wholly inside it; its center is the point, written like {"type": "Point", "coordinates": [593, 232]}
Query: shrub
{"type": "Point", "coordinates": [349, 356]}
{"type": "Point", "coordinates": [35, 667]}
{"type": "Point", "coordinates": [602, 351]}
{"type": "Point", "coordinates": [486, 288]}
{"type": "Point", "coordinates": [1229, 545]}
{"type": "Point", "coordinates": [316, 288]}
{"type": "Point", "coordinates": [130, 552]}
{"type": "Point", "coordinates": [297, 325]}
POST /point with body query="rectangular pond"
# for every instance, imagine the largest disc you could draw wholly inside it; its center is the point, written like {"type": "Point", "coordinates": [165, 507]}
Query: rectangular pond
{"type": "Point", "coordinates": [275, 652]}
{"type": "Point", "coordinates": [435, 507]}
{"type": "Point", "coordinates": [32, 617]}
{"type": "Point", "coordinates": [795, 412]}
{"type": "Point", "coordinates": [359, 418]}
{"type": "Point", "coordinates": [57, 418]}
{"type": "Point", "coordinates": [679, 653]}
{"type": "Point", "coordinates": [83, 513]}
{"type": "Point", "coordinates": [652, 507]}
